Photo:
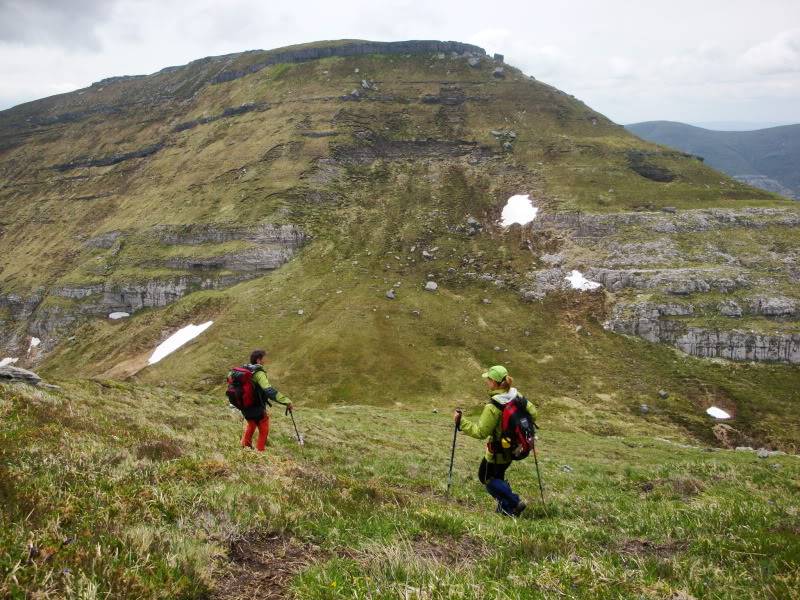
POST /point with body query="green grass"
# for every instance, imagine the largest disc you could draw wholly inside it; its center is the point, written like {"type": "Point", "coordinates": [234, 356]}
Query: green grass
{"type": "Point", "coordinates": [132, 491]}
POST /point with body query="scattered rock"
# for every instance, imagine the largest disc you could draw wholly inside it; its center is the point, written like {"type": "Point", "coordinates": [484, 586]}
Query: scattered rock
{"type": "Point", "coordinates": [764, 453]}
{"type": "Point", "coordinates": [744, 449]}
{"type": "Point", "coordinates": [300, 312]}
{"type": "Point", "coordinates": [498, 349]}
{"type": "Point", "coordinates": [553, 260]}
{"type": "Point", "coordinates": [391, 295]}
{"type": "Point", "coordinates": [644, 409]}
{"type": "Point", "coordinates": [729, 308]}
{"type": "Point", "coordinates": [416, 313]}
{"type": "Point", "coordinates": [499, 73]}
{"type": "Point", "coordinates": [566, 469]}
{"type": "Point", "coordinates": [486, 301]}
{"type": "Point", "coordinates": [663, 394]}
{"type": "Point", "coordinates": [431, 286]}
{"type": "Point", "coordinates": [428, 255]}
{"type": "Point", "coordinates": [775, 306]}
{"type": "Point", "coordinates": [473, 61]}
{"type": "Point", "coordinates": [669, 209]}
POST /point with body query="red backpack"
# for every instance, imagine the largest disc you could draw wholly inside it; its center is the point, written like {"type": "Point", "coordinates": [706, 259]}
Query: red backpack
{"type": "Point", "coordinates": [241, 391]}
{"type": "Point", "coordinates": [517, 430]}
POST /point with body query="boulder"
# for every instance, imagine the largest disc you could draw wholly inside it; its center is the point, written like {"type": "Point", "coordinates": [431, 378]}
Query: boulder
{"type": "Point", "coordinates": [499, 73]}
{"type": "Point", "coordinates": [729, 308]}
{"type": "Point", "coordinates": [9, 373]}
{"type": "Point", "coordinates": [431, 286]}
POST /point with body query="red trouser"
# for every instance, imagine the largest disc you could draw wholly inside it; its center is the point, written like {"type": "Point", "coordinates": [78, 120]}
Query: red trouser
{"type": "Point", "coordinates": [263, 432]}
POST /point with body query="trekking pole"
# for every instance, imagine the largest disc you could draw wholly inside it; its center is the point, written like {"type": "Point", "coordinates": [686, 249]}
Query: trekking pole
{"type": "Point", "coordinates": [538, 475]}
{"type": "Point", "coordinates": [290, 412]}
{"type": "Point", "coordinates": [453, 453]}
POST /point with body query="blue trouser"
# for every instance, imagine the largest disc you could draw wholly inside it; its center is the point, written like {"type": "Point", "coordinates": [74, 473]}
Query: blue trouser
{"type": "Point", "coordinates": [493, 477]}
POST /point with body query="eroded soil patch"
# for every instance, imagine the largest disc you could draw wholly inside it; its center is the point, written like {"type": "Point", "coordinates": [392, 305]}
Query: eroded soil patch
{"type": "Point", "coordinates": [262, 565]}
{"type": "Point", "coordinates": [449, 550]}
{"type": "Point", "coordinates": [647, 548]}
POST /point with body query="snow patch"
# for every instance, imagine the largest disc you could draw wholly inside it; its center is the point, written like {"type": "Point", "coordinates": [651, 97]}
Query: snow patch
{"type": "Point", "coordinates": [578, 282]}
{"type": "Point", "coordinates": [118, 315]}
{"type": "Point", "coordinates": [518, 209]}
{"type": "Point", "coordinates": [33, 344]}
{"type": "Point", "coordinates": [717, 413]}
{"type": "Point", "coordinates": [8, 361]}
{"type": "Point", "coordinates": [176, 340]}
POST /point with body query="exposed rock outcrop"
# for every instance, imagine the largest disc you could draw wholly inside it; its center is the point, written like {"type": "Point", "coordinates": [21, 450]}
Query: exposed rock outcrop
{"type": "Point", "coordinates": [686, 221]}
{"type": "Point", "coordinates": [274, 245]}
{"type": "Point", "coordinates": [353, 48]}
{"type": "Point", "coordinates": [106, 161]}
{"type": "Point", "coordinates": [194, 234]}
{"type": "Point", "coordinates": [646, 320]}
{"type": "Point", "coordinates": [672, 281]}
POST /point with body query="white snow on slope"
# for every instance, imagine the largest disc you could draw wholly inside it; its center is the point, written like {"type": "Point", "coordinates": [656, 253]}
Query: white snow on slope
{"type": "Point", "coordinates": [518, 209]}
{"type": "Point", "coordinates": [8, 361]}
{"type": "Point", "coordinates": [176, 340]}
{"type": "Point", "coordinates": [717, 413]}
{"type": "Point", "coordinates": [118, 315]}
{"type": "Point", "coordinates": [579, 282]}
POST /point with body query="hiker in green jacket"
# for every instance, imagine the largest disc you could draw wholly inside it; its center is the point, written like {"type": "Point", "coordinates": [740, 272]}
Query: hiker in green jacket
{"type": "Point", "coordinates": [492, 470]}
{"type": "Point", "coordinates": [258, 415]}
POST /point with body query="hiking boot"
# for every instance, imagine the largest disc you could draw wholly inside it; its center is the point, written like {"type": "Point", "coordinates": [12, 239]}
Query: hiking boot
{"type": "Point", "coordinates": [518, 509]}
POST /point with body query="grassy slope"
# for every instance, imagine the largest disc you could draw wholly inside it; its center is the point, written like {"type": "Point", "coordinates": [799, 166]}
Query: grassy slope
{"type": "Point", "coordinates": [136, 491]}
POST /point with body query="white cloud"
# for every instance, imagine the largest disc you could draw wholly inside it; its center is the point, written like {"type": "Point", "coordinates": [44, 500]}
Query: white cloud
{"type": "Point", "coordinates": [780, 54]}
{"type": "Point", "coordinates": [687, 61]}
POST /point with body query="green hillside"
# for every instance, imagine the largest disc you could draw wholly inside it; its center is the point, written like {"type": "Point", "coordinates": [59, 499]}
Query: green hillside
{"type": "Point", "coordinates": [773, 153]}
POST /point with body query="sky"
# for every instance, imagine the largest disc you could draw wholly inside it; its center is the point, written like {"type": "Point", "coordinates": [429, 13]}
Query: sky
{"type": "Point", "coordinates": [699, 61]}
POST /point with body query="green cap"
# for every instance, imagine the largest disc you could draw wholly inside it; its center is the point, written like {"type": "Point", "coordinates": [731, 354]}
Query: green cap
{"type": "Point", "coordinates": [496, 373]}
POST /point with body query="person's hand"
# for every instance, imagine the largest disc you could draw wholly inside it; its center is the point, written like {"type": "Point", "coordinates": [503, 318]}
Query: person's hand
{"type": "Point", "coordinates": [457, 416]}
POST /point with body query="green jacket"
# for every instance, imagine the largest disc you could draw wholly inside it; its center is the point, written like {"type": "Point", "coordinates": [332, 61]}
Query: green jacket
{"type": "Point", "coordinates": [260, 377]}
{"type": "Point", "coordinates": [489, 426]}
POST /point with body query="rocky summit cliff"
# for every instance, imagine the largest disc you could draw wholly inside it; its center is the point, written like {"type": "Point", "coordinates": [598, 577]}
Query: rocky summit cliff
{"type": "Point", "coordinates": [303, 198]}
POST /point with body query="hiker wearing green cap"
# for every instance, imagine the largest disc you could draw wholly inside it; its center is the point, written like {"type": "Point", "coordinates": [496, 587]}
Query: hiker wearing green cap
{"type": "Point", "coordinates": [503, 446]}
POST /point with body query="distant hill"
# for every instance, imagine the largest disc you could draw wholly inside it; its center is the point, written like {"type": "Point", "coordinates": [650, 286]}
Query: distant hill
{"type": "Point", "coordinates": [765, 158]}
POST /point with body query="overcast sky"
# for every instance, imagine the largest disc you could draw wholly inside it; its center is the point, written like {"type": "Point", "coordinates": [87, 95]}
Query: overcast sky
{"type": "Point", "coordinates": [692, 61]}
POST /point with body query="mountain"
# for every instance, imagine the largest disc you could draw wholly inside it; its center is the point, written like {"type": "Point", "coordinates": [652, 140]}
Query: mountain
{"type": "Point", "coordinates": [338, 204]}
{"type": "Point", "coordinates": [281, 194]}
{"type": "Point", "coordinates": [765, 158]}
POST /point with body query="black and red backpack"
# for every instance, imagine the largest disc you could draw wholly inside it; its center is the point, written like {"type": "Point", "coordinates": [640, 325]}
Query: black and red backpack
{"type": "Point", "coordinates": [517, 430]}
{"type": "Point", "coordinates": [242, 392]}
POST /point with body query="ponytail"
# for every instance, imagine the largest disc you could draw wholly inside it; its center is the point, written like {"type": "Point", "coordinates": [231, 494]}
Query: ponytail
{"type": "Point", "coordinates": [507, 383]}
